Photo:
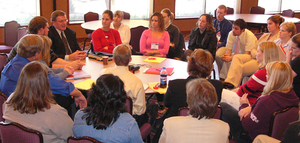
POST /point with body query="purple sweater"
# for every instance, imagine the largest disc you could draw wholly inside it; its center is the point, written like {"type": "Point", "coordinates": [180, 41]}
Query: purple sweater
{"type": "Point", "coordinates": [258, 121]}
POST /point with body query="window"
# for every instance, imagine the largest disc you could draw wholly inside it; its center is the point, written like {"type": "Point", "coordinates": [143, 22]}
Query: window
{"type": "Point", "coordinates": [21, 11]}
{"type": "Point", "coordinates": [77, 8]}
{"type": "Point", "coordinates": [194, 8]}
{"type": "Point", "coordinates": [278, 5]}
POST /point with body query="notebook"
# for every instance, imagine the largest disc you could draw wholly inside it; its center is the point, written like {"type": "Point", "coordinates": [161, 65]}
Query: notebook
{"type": "Point", "coordinates": [157, 71]}
{"type": "Point", "coordinates": [78, 75]}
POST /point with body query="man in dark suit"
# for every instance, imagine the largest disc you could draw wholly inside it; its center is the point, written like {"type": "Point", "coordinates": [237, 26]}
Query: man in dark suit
{"type": "Point", "coordinates": [64, 42]}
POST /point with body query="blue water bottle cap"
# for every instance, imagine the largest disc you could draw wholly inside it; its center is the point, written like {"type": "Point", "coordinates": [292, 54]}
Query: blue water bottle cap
{"type": "Point", "coordinates": [164, 68]}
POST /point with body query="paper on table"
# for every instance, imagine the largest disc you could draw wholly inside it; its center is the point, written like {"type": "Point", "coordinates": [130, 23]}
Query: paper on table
{"type": "Point", "coordinates": [154, 59]}
{"type": "Point", "coordinates": [157, 71]}
{"type": "Point", "coordinates": [78, 75]}
{"type": "Point", "coordinates": [159, 90]}
{"type": "Point", "coordinates": [85, 85]}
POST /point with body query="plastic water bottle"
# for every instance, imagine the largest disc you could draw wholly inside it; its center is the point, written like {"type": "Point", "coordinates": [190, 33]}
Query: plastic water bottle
{"type": "Point", "coordinates": [163, 78]}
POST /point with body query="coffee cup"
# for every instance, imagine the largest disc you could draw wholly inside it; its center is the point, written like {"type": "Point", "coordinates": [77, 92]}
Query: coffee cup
{"type": "Point", "coordinates": [105, 60]}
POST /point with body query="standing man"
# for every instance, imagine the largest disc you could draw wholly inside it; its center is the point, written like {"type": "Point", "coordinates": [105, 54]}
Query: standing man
{"type": "Point", "coordinates": [133, 85]}
{"type": "Point", "coordinates": [222, 26]}
{"type": "Point", "coordinates": [240, 41]}
{"type": "Point", "coordinates": [64, 42]}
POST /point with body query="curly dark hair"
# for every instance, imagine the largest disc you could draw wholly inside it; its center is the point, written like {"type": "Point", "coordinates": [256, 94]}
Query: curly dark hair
{"type": "Point", "coordinates": [106, 100]}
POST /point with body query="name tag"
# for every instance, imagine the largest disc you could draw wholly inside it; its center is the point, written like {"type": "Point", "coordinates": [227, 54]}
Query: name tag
{"type": "Point", "coordinates": [154, 46]}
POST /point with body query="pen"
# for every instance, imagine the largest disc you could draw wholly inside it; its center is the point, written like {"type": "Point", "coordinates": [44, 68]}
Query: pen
{"type": "Point", "coordinates": [158, 69]}
{"type": "Point", "coordinates": [78, 78]}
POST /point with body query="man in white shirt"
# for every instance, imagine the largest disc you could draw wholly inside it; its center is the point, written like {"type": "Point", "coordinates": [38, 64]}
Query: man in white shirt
{"type": "Point", "coordinates": [133, 85]}
{"type": "Point", "coordinates": [240, 42]}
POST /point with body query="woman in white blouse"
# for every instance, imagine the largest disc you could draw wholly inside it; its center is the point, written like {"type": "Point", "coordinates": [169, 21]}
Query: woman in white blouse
{"type": "Point", "coordinates": [123, 29]}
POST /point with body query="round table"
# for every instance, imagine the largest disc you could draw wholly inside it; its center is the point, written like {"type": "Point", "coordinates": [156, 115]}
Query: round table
{"type": "Point", "coordinates": [257, 18]}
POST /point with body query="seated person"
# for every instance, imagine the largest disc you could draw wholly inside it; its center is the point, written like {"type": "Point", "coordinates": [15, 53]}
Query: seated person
{"type": "Point", "coordinates": [133, 85]}
{"type": "Point", "coordinates": [198, 125]}
{"type": "Point", "coordinates": [31, 48]}
{"type": "Point", "coordinates": [287, 31]}
{"type": "Point", "coordinates": [222, 25]}
{"type": "Point", "coordinates": [243, 68]}
{"type": "Point", "coordinates": [106, 118]}
{"type": "Point", "coordinates": [106, 39]}
{"type": "Point", "coordinates": [64, 42]}
{"type": "Point", "coordinates": [122, 28]}
{"type": "Point", "coordinates": [278, 94]}
{"type": "Point", "coordinates": [155, 41]}
{"type": "Point", "coordinates": [240, 42]}
{"type": "Point", "coordinates": [175, 49]}
{"type": "Point", "coordinates": [203, 36]}
{"type": "Point", "coordinates": [293, 57]}
{"type": "Point", "coordinates": [200, 65]}
{"type": "Point", "coordinates": [39, 25]}
{"type": "Point", "coordinates": [32, 105]}
{"type": "Point", "coordinates": [266, 52]}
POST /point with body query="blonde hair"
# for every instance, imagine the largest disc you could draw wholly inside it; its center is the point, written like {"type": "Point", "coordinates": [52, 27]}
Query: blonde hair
{"type": "Point", "coordinates": [46, 49]}
{"type": "Point", "coordinates": [270, 53]}
{"type": "Point", "coordinates": [290, 27]}
{"type": "Point", "coordinates": [280, 78]}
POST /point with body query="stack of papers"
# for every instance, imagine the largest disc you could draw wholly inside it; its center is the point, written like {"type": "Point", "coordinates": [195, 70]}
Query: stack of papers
{"type": "Point", "coordinates": [157, 71]}
{"type": "Point", "coordinates": [85, 85]}
{"type": "Point", "coordinates": [78, 75]}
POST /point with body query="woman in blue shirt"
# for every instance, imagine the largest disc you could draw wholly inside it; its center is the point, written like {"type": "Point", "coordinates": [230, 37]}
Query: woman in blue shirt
{"type": "Point", "coordinates": [106, 118]}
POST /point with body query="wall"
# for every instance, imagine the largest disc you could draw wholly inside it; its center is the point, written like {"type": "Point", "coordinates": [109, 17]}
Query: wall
{"type": "Point", "coordinates": [185, 25]}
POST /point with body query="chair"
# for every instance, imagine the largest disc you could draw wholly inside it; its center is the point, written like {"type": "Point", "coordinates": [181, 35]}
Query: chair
{"type": "Point", "coordinates": [17, 133]}
{"type": "Point", "coordinates": [3, 98]}
{"type": "Point", "coordinates": [288, 13]}
{"type": "Point", "coordinates": [129, 105]}
{"type": "Point", "coordinates": [298, 27]}
{"type": "Point", "coordinates": [84, 139]}
{"type": "Point", "coordinates": [184, 111]}
{"type": "Point", "coordinates": [3, 58]}
{"type": "Point", "coordinates": [280, 121]}
{"type": "Point", "coordinates": [230, 10]}
{"type": "Point", "coordinates": [10, 36]}
{"type": "Point", "coordinates": [90, 16]}
{"type": "Point", "coordinates": [145, 129]}
{"type": "Point", "coordinates": [21, 32]}
{"type": "Point", "coordinates": [136, 34]}
{"type": "Point", "coordinates": [126, 15]}
{"type": "Point", "coordinates": [257, 10]}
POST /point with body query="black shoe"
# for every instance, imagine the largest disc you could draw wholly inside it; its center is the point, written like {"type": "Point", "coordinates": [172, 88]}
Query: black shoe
{"type": "Point", "coordinates": [227, 85]}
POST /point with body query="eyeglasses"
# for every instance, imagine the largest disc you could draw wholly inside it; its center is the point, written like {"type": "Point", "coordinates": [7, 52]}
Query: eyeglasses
{"type": "Point", "coordinates": [62, 21]}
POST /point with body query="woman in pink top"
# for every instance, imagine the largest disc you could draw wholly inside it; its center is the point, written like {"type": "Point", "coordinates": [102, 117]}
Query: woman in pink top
{"type": "Point", "coordinates": [106, 39]}
{"type": "Point", "coordinates": [155, 41]}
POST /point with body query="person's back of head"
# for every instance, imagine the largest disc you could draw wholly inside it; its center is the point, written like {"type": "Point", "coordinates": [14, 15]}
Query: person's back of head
{"type": "Point", "coordinates": [32, 93]}
{"type": "Point", "coordinates": [29, 45]}
{"type": "Point", "coordinates": [200, 63]}
{"type": "Point", "coordinates": [106, 100]}
{"type": "Point", "coordinates": [240, 23]}
{"type": "Point", "coordinates": [270, 52]}
{"type": "Point", "coordinates": [201, 98]}
{"type": "Point", "coordinates": [36, 24]}
{"type": "Point", "coordinates": [279, 76]}
{"type": "Point", "coordinates": [122, 55]}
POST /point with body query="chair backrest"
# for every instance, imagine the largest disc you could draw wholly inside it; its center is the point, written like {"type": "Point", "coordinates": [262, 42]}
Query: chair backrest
{"type": "Point", "coordinates": [129, 105]}
{"type": "Point", "coordinates": [136, 34]}
{"type": "Point", "coordinates": [84, 139]}
{"type": "Point", "coordinates": [230, 10]}
{"type": "Point", "coordinates": [126, 15]}
{"type": "Point", "coordinates": [288, 13]}
{"type": "Point", "coordinates": [17, 133]}
{"type": "Point", "coordinates": [3, 98]}
{"type": "Point", "coordinates": [10, 33]}
{"type": "Point", "coordinates": [298, 27]}
{"type": "Point", "coordinates": [22, 31]}
{"type": "Point", "coordinates": [90, 16]}
{"type": "Point", "coordinates": [280, 121]}
{"type": "Point", "coordinates": [3, 58]}
{"type": "Point", "coordinates": [184, 111]}
{"type": "Point", "coordinates": [257, 10]}
{"type": "Point", "coordinates": [218, 113]}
